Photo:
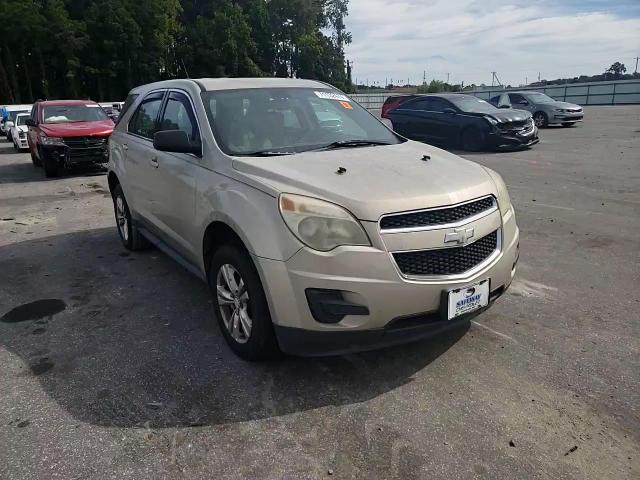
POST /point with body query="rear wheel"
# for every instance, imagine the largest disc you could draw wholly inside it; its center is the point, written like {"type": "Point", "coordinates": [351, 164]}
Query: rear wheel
{"type": "Point", "coordinates": [240, 304]}
{"type": "Point", "coordinates": [131, 238]}
{"type": "Point", "coordinates": [541, 119]}
{"type": "Point", "coordinates": [568, 124]}
{"type": "Point", "coordinates": [473, 139]}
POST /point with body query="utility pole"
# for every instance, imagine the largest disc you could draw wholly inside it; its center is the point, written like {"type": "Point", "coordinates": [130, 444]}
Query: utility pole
{"type": "Point", "coordinates": [636, 70]}
{"type": "Point", "coordinates": [538, 76]}
{"type": "Point", "coordinates": [424, 78]}
{"type": "Point", "coordinates": [493, 78]}
{"type": "Point", "coordinates": [526, 81]}
{"type": "Point", "coordinates": [447, 77]}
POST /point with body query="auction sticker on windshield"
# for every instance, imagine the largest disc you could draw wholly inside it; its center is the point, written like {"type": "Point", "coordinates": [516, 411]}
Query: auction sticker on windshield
{"type": "Point", "coordinates": [467, 299]}
{"type": "Point", "coordinates": [332, 96]}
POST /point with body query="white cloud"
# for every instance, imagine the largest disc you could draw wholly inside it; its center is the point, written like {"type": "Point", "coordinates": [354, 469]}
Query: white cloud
{"type": "Point", "coordinates": [470, 39]}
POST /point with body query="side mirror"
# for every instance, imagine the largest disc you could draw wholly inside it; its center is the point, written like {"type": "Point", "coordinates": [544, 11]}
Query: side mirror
{"type": "Point", "coordinates": [29, 122]}
{"type": "Point", "coordinates": [450, 111]}
{"type": "Point", "coordinates": [175, 141]}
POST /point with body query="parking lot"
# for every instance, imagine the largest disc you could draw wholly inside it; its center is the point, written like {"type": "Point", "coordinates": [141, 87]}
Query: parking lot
{"type": "Point", "coordinates": [119, 371]}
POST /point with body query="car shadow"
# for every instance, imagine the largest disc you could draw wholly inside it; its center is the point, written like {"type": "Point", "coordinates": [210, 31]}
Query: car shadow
{"type": "Point", "coordinates": [127, 339]}
{"type": "Point", "coordinates": [25, 172]}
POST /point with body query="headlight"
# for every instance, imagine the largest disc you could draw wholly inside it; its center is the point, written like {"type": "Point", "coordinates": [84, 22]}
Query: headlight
{"type": "Point", "coordinates": [491, 120]}
{"type": "Point", "coordinates": [51, 140]}
{"type": "Point", "coordinates": [504, 202]}
{"type": "Point", "coordinates": [320, 225]}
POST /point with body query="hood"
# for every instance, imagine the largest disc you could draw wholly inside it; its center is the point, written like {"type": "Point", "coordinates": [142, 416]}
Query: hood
{"type": "Point", "coordinates": [507, 115]}
{"type": "Point", "coordinates": [378, 180]}
{"type": "Point", "coordinates": [77, 129]}
{"type": "Point", "coordinates": [564, 105]}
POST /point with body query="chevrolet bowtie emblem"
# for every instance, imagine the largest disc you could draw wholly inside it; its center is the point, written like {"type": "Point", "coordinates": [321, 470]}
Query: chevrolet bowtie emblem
{"type": "Point", "coordinates": [459, 236]}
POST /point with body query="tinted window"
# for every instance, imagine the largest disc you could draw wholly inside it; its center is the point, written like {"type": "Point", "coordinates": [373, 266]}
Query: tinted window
{"type": "Point", "coordinates": [144, 119]}
{"type": "Point", "coordinates": [422, 104]}
{"type": "Point", "coordinates": [284, 120]}
{"type": "Point", "coordinates": [73, 113]}
{"type": "Point", "coordinates": [21, 119]}
{"type": "Point", "coordinates": [178, 115]}
{"type": "Point", "coordinates": [438, 105]}
{"type": "Point", "coordinates": [516, 98]}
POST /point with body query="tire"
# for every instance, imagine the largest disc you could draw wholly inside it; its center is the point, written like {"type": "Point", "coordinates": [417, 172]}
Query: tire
{"type": "Point", "coordinates": [473, 140]}
{"type": "Point", "coordinates": [243, 318]}
{"type": "Point", "coordinates": [568, 124]}
{"type": "Point", "coordinates": [129, 234]}
{"type": "Point", "coordinates": [541, 119]}
{"type": "Point", "coordinates": [34, 159]}
{"type": "Point", "coordinates": [51, 167]}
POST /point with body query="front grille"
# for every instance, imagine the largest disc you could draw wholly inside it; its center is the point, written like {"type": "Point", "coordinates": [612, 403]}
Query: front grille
{"type": "Point", "coordinates": [520, 125]}
{"type": "Point", "coordinates": [84, 142]}
{"type": "Point", "coordinates": [440, 216]}
{"type": "Point", "coordinates": [447, 261]}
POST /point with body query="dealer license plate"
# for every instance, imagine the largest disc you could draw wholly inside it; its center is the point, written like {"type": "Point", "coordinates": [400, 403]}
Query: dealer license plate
{"type": "Point", "coordinates": [467, 299]}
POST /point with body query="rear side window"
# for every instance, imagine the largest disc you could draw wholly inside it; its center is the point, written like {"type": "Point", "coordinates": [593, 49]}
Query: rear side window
{"type": "Point", "coordinates": [144, 120]}
{"type": "Point", "coordinates": [516, 98]}
{"type": "Point", "coordinates": [178, 115]}
{"type": "Point", "coordinates": [421, 104]}
{"type": "Point", "coordinates": [438, 105]}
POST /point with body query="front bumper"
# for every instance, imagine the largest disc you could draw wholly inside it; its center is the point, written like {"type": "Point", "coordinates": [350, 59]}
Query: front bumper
{"type": "Point", "coordinates": [399, 309]}
{"type": "Point", "coordinates": [67, 157]}
{"type": "Point", "coordinates": [513, 139]}
{"type": "Point", "coordinates": [22, 143]}
{"type": "Point", "coordinates": [567, 117]}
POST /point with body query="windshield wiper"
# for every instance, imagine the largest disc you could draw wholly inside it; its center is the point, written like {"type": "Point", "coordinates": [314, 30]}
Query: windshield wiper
{"type": "Point", "coordinates": [351, 143]}
{"type": "Point", "coordinates": [267, 153]}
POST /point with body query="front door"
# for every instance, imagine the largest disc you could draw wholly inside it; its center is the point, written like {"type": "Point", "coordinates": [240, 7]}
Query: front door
{"type": "Point", "coordinates": [174, 177]}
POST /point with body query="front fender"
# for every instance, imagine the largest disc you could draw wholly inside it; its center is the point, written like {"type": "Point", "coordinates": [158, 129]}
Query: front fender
{"type": "Point", "coordinates": [251, 213]}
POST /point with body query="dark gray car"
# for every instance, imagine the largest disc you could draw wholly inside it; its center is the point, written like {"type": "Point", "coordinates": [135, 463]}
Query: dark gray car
{"type": "Point", "coordinates": [545, 110]}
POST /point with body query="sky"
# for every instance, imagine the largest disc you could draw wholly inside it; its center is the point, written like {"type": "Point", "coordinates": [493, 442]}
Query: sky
{"type": "Point", "coordinates": [468, 39]}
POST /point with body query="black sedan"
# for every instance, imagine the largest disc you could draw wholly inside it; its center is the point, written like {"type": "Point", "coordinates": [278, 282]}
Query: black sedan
{"type": "Point", "coordinates": [461, 121]}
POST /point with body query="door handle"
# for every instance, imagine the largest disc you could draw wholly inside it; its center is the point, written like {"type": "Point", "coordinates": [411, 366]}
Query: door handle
{"type": "Point", "coordinates": [154, 162]}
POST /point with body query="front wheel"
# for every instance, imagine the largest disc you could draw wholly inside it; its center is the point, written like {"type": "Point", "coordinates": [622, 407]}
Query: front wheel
{"type": "Point", "coordinates": [473, 140]}
{"type": "Point", "coordinates": [541, 119]}
{"type": "Point", "coordinates": [51, 167]}
{"type": "Point", "coordinates": [240, 304]}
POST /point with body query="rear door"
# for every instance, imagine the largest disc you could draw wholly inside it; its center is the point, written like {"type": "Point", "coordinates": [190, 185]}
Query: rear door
{"type": "Point", "coordinates": [173, 178]}
{"type": "Point", "coordinates": [411, 119]}
{"type": "Point", "coordinates": [139, 154]}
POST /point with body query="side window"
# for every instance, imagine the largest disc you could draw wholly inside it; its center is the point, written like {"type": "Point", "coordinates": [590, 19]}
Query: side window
{"type": "Point", "coordinates": [178, 115]}
{"type": "Point", "coordinates": [421, 104]}
{"type": "Point", "coordinates": [143, 122]}
{"type": "Point", "coordinates": [516, 98]}
{"type": "Point", "coordinates": [438, 105]}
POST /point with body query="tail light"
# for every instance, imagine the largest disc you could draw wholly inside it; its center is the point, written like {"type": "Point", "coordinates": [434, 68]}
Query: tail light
{"type": "Point", "coordinates": [391, 104]}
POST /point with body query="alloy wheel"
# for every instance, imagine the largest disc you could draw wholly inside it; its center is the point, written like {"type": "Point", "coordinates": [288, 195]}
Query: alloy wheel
{"type": "Point", "coordinates": [233, 303]}
{"type": "Point", "coordinates": [121, 218]}
{"type": "Point", "coordinates": [539, 120]}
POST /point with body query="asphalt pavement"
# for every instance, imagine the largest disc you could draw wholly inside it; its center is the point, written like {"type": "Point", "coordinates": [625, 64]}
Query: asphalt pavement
{"type": "Point", "coordinates": [111, 365]}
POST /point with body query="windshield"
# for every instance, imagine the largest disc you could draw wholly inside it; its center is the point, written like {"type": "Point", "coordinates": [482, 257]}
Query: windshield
{"type": "Point", "coordinates": [540, 98]}
{"type": "Point", "coordinates": [12, 115]}
{"type": "Point", "coordinates": [470, 104]}
{"type": "Point", "coordinates": [73, 113]}
{"type": "Point", "coordinates": [21, 119]}
{"type": "Point", "coordinates": [288, 120]}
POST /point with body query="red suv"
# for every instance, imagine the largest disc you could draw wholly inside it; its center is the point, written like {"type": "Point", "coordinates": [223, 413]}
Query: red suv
{"type": "Point", "coordinates": [63, 133]}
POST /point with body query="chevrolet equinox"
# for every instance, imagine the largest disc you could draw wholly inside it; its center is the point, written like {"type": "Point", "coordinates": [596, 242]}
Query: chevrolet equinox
{"type": "Point", "coordinates": [318, 230]}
